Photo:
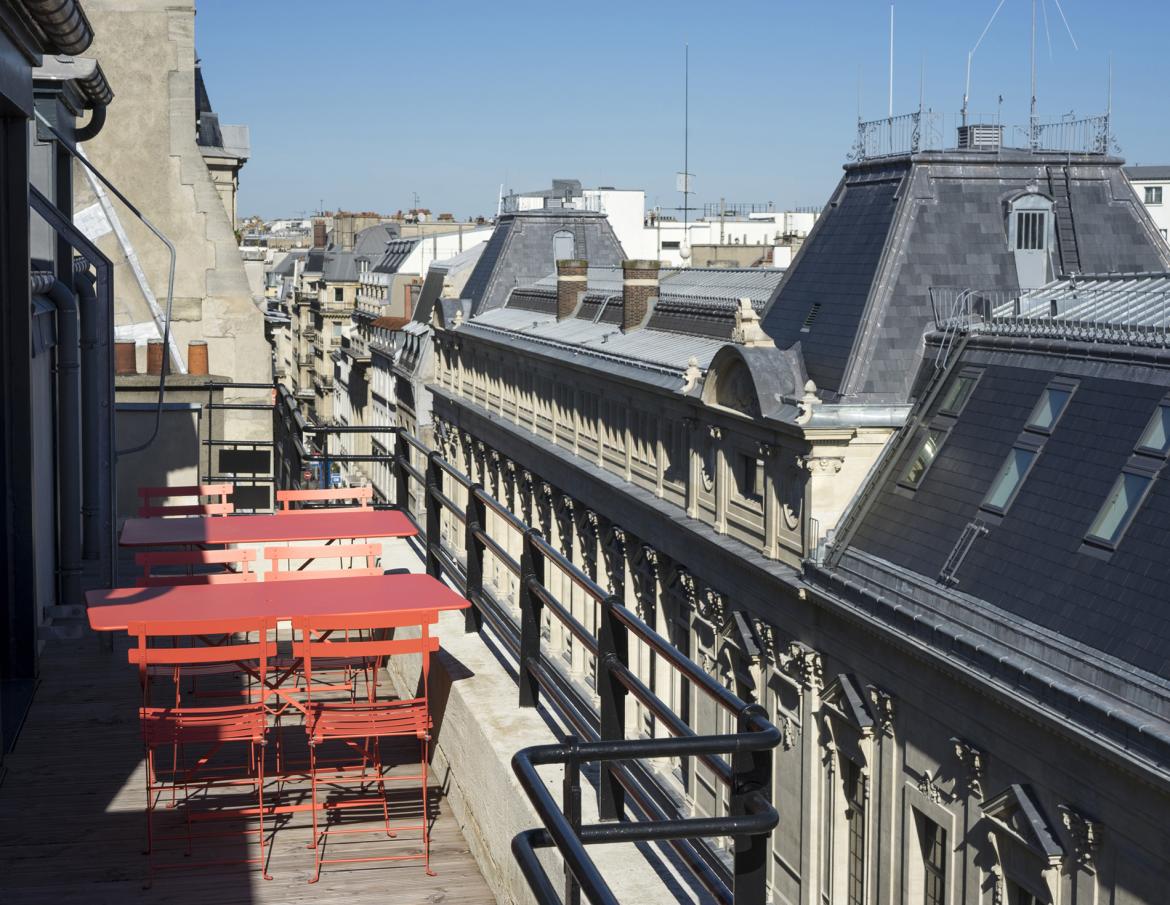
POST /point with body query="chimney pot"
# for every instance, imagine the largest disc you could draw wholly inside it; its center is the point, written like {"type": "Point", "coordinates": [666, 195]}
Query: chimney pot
{"type": "Point", "coordinates": [639, 290]}
{"type": "Point", "coordinates": [197, 357]}
{"type": "Point", "coordinates": [154, 356]}
{"type": "Point", "coordinates": [125, 357]}
{"type": "Point", "coordinates": [572, 279]}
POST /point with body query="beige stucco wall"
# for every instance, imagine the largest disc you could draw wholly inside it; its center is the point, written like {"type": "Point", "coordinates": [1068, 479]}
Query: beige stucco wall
{"type": "Point", "coordinates": [148, 149]}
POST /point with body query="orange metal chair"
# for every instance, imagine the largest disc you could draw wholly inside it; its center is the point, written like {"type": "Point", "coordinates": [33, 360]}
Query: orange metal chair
{"type": "Point", "coordinates": [361, 725]}
{"type": "Point", "coordinates": [206, 729]}
{"type": "Point", "coordinates": [243, 559]}
{"type": "Point", "coordinates": [149, 507]}
{"type": "Point", "coordinates": [369, 553]}
{"type": "Point", "coordinates": [362, 498]}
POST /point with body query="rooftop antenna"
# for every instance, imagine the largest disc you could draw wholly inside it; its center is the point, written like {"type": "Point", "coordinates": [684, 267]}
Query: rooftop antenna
{"type": "Point", "coordinates": [1033, 137]}
{"type": "Point", "coordinates": [971, 53]}
{"type": "Point", "coordinates": [890, 112]}
{"type": "Point", "coordinates": [686, 137]}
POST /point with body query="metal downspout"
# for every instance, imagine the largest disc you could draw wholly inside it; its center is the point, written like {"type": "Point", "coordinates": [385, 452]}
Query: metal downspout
{"type": "Point", "coordinates": [92, 382]}
{"type": "Point", "coordinates": [68, 372]}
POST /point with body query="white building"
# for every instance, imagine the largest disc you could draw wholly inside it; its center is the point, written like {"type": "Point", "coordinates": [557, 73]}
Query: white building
{"type": "Point", "coordinates": [647, 234]}
{"type": "Point", "coordinates": [1152, 185]}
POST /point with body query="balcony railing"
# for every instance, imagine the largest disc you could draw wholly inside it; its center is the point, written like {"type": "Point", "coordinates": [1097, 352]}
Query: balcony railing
{"type": "Point", "coordinates": [459, 546]}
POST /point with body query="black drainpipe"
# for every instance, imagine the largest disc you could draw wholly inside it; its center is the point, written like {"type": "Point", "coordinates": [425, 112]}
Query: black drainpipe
{"type": "Point", "coordinates": [68, 372]}
{"type": "Point", "coordinates": [92, 383]}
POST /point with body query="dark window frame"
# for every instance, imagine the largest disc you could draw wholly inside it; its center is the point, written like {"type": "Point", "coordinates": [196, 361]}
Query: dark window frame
{"type": "Point", "coordinates": [1019, 446]}
{"type": "Point", "coordinates": [904, 482]}
{"type": "Point", "coordinates": [1059, 384]}
{"type": "Point", "coordinates": [1162, 406]}
{"type": "Point", "coordinates": [971, 374]}
{"type": "Point", "coordinates": [933, 849]}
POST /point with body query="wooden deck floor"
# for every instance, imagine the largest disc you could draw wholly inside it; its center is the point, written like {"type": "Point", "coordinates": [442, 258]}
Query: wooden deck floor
{"type": "Point", "coordinates": [72, 827]}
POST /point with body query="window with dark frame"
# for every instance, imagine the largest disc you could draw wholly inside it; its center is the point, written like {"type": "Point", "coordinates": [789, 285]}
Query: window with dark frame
{"type": "Point", "coordinates": [1011, 476]}
{"type": "Point", "coordinates": [926, 454]}
{"type": "Point", "coordinates": [1017, 895]}
{"type": "Point", "coordinates": [957, 394]}
{"type": "Point", "coordinates": [1051, 406]}
{"type": "Point", "coordinates": [750, 478]}
{"type": "Point", "coordinates": [1121, 505]}
{"type": "Point", "coordinates": [1155, 438]}
{"type": "Point", "coordinates": [1153, 194]}
{"type": "Point", "coordinates": [855, 816]}
{"type": "Point", "coordinates": [933, 839]}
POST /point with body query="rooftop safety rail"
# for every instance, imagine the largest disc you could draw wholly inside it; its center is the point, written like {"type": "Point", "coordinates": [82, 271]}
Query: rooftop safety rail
{"type": "Point", "coordinates": [600, 734]}
{"type": "Point", "coordinates": [1130, 310]}
{"type": "Point", "coordinates": [932, 130]}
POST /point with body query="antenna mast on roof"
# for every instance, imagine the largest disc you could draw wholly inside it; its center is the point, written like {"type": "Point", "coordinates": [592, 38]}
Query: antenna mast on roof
{"type": "Point", "coordinates": [890, 112]}
{"type": "Point", "coordinates": [1033, 136]}
{"type": "Point", "coordinates": [971, 53]}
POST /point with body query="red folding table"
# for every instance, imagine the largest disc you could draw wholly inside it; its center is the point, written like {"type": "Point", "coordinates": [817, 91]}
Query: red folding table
{"type": "Point", "coordinates": [114, 610]}
{"type": "Point", "coordinates": [325, 525]}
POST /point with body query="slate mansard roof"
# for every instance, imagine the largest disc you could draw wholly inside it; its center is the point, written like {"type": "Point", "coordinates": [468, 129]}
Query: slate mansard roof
{"type": "Point", "coordinates": [520, 251]}
{"type": "Point", "coordinates": [857, 297]}
{"type": "Point", "coordinates": [1027, 587]}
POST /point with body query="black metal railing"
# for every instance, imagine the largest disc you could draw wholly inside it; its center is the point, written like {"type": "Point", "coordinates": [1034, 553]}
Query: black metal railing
{"type": "Point", "coordinates": [624, 778]}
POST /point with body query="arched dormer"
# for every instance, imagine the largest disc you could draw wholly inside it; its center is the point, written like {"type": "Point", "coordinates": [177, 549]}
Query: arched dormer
{"type": "Point", "coordinates": [1031, 233]}
{"type": "Point", "coordinates": [729, 385]}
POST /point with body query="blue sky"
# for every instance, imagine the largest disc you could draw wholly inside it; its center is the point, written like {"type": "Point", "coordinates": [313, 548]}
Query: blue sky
{"type": "Point", "coordinates": [361, 104]}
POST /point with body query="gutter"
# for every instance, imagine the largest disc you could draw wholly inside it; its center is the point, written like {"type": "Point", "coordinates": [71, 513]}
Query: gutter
{"type": "Point", "coordinates": [63, 23]}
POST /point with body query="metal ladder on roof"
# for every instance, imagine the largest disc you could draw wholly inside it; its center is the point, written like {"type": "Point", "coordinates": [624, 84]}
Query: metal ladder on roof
{"type": "Point", "coordinates": [1060, 187]}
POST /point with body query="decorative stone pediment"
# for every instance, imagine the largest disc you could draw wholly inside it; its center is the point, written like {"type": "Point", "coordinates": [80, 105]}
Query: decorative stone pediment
{"type": "Point", "coordinates": [803, 664]}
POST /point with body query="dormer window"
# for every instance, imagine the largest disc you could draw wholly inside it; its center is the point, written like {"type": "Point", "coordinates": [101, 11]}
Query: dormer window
{"type": "Point", "coordinates": [1030, 238]}
{"type": "Point", "coordinates": [1030, 230]}
{"type": "Point", "coordinates": [564, 246]}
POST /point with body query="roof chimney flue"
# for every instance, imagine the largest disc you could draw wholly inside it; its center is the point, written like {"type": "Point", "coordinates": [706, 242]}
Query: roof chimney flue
{"type": "Point", "coordinates": [572, 279]}
{"type": "Point", "coordinates": [639, 291]}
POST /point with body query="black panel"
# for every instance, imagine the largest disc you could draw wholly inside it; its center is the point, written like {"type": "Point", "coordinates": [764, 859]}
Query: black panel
{"type": "Point", "coordinates": [245, 461]}
{"type": "Point", "coordinates": [252, 496]}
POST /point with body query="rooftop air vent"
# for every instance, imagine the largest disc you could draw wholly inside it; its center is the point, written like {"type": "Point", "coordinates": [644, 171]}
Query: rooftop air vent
{"type": "Point", "coordinates": [980, 137]}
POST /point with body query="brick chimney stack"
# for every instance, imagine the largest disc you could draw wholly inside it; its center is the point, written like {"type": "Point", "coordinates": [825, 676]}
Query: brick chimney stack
{"type": "Point", "coordinates": [319, 233]}
{"type": "Point", "coordinates": [639, 289]}
{"type": "Point", "coordinates": [572, 278]}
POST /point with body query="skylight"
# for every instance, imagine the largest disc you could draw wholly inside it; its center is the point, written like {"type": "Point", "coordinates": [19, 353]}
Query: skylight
{"type": "Point", "coordinates": [1048, 410]}
{"type": "Point", "coordinates": [1009, 479]}
{"type": "Point", "coordinates": [1156, 437]}
{"type": "Point", "coordinates": [1121, 504]}
{"type": "Point", "coordinates": [957, 394]}
{"type": "Point", "coordinates": [927, 450]}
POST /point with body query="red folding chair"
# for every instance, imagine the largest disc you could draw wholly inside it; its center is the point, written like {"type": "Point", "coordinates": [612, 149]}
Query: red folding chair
{"type": "Point", "coordinates": [150, 507]}
{"type": "Point", "coordinates": [205, 730]}
{"type": "Point", "coordinates": [368, 554]}
{"type": "Point", "coordinates": [361, 725]}
{"type": "Point", "coordinates": [189, 560]}
{"type": "Point", "coordinates": [361, 498]}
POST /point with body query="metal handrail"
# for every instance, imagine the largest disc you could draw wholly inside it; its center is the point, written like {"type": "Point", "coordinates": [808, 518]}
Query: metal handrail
{"type": "Point", "coordinates": [449, 494]}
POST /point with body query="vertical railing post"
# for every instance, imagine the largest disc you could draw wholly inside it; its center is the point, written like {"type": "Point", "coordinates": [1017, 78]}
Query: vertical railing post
{"type": "Point", "coordinates": [325, 480]}
{"type": "Point", "coordinates": [401, 476]}
{"type": "Point", "coordinates": [531, 571]}
{"type": "Point", "coordinates": [612, 652]}
{"type": "Point", "coordinates": [434, 510]}
{"type": "Point", "coordinates": [571, 795]}
{"type": "Point", "coordinates": [751, 774]}
{"type": "Point", "coordinates": [475, 521]}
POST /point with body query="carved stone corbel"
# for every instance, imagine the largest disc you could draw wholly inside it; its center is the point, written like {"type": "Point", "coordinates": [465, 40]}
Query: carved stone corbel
{"type": "Point", "coordinates": [1086, 835]}
{"type": "Point", "coordinates": [883, 710]}
{"type": "Point", "coordinates": [804, 664]}
{"type": "Point", "coordinates": [974, 763]}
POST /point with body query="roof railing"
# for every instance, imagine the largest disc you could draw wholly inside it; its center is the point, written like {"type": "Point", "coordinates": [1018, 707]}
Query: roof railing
{"type": "Point", "coordinates": [1123, 313]}
{"type": "Point", "coordinates": [932, 130]}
